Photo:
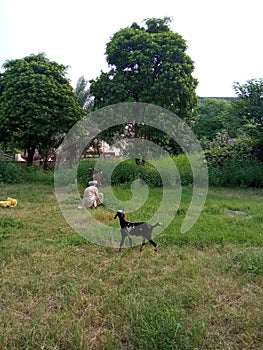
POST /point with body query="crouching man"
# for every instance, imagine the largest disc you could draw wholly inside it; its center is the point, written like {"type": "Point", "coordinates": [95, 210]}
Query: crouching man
{"type": "Point", "coordinates": [92, 197]}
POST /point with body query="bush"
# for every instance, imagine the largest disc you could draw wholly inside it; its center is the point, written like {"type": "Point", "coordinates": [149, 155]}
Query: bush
{"type": "Point", "coordinates": [83, 170]}
{"type": "Point", "coordinates": [125, 172]}
{"type": "Point", "coordinates": [117, 172]}
{"type": "Point", "coordinates": [9, 172]}
{"type": "Point", "coordinates": [234, 171]}
{"type": "Point", "coordinates": [184, 167]}
{"type": "Point", "coordinates": [158, 173]}
{"type": "Point", "coordinates": [220, 151]}
{"type": "Point", "coordinates": [233, 164]}
{"type": "Point", "coordinates": [36, 174]}
{"type": "Point", "coordinates": [237, 172]}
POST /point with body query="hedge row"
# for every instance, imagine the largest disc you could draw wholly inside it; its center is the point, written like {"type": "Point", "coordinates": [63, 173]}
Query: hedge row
{"type": "Point", "coordinates": [155, 174]}
{"type": "Point", "coordinates": [11, 173]}
{"type": "Point", "coordinates": [247, 172]}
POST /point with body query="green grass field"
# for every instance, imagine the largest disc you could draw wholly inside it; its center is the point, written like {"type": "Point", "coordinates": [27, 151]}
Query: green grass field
{"type": "Point", "coordinates": [201, 290]}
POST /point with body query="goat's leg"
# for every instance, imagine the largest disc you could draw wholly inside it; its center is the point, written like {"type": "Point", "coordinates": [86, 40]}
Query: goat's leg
{"type": "Point", "coordinates": [130, 240]}
{"type": "Point", "coordinates": [143, 244]}
{"type": "Point", "coordinates": [154, 244]}
{"type": "Point", "coordinates": [122, 242]}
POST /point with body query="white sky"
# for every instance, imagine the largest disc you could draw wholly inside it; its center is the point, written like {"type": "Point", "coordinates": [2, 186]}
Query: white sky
{"type": "Point", "coordinates": [224, 37]}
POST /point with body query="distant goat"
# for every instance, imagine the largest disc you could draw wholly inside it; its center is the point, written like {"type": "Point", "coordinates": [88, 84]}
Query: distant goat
{"type": "Point", "coordinates": [95, 176]}
{"type": "Point", "coordinates": [128, 229]}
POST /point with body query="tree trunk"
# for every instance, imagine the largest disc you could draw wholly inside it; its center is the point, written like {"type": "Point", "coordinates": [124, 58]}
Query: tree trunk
{"type": "Point", "coordinates": [45, 163]}
{"type": "Point", "coordinates": [30, 155]}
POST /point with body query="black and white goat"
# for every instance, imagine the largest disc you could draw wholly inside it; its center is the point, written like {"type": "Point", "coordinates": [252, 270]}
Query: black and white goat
{"type": "Point", "coordinates": [128, 229]}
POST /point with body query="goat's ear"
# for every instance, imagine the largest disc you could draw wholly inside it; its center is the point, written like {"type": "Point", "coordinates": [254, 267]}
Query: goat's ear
{"type": "Point", "coordinates": [115, 216]}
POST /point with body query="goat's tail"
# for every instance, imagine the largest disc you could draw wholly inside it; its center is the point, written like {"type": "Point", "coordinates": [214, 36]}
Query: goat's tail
{"type": "Point", "coordinates": [158, 224]}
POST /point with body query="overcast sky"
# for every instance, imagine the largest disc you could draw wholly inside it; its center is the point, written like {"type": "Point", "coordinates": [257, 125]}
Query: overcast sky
{"type": "Point", "coordinates": [224, 37]}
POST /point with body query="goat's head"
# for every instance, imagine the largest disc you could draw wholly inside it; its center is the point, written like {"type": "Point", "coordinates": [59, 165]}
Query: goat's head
{"type": "Point", "coordinates": [120, 214]}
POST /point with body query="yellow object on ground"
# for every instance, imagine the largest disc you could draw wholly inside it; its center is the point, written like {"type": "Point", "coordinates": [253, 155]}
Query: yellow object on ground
{"type": "Point", "coordinates": [9, 203]}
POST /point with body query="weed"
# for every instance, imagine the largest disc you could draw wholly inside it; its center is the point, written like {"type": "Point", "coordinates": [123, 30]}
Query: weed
{"type": "Point", "coordinates": [249, 263]}
{"type": "Point", "coordinates": [8, 226]}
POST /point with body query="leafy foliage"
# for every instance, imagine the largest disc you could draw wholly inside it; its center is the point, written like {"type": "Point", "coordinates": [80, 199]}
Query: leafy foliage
{"type": "Point", "coordinates": [126, 171]}
{"type": "Point", "coordinates": [9, 172]}
{"type": "Point", "coordinates": [211, 118]}
{"type": "Point", "coordinates": [37, 104]}
{"type": "Point", "coordinates": [148, 64]}
{"type": "Point", "coordinates": [82, 93]}
{"type": "Point", "coordinates": [237, 172]}
{"type": "Point", "coordinates": [233, 164]}
{"type": "Point", "coordinates": [249, 107]}
{"type": "Point", "coordinates": [221, 149]}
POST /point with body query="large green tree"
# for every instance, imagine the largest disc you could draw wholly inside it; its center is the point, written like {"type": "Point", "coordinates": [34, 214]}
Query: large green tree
{"type": "Point", "coordinates": [148, 64]}
{"type": "Point", "coordinates": [37, 104]}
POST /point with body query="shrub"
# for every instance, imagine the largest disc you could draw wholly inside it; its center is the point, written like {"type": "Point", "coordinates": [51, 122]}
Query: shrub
{"type": "Point", "coordinates": [237, 172]}
{"type": "Point", "coordinates": [233, 164]}
{"type": "Point", "coordinates": [184, 168]}
{"type": "Point", "coordinates": [221, 151]}
{"type": "Point", "coordinates": [158, 173]}
{"type": "Point", "coordinates": [34, 174]}
{"type": "Point", "coordinates": [83, 170]}
{"type": "Point", "coordinates": [9, 172]}
{"type": "Point", "coordinates": [125, 172]}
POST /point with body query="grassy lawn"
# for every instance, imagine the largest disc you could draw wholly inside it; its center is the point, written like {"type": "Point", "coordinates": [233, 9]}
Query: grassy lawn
{"type": "Point", "coordinates": [202, 290]}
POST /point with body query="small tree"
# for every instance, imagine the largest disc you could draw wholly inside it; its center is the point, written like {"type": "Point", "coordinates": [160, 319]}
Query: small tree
{"type": "Point", "coordinates": [37, 104]}
{"type": "Point", "coordinates": [83, 94]}
{"type": "Point", "coordinates": [211, 118]}
{"type": "Point", "coordinates": [249, 106]}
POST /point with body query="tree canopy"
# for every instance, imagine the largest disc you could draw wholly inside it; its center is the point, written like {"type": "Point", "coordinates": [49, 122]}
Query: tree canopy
{"type": "Point", "coordinates": [211, 118]}
{"type": "Point", "coordinates": [82, 92]}
{"type": "Point", "coordinates": [249, 107]}
{"type": "Point", "coordinates": [148, 64]}
{"type": "Point", "coordinates": [37, 104]}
